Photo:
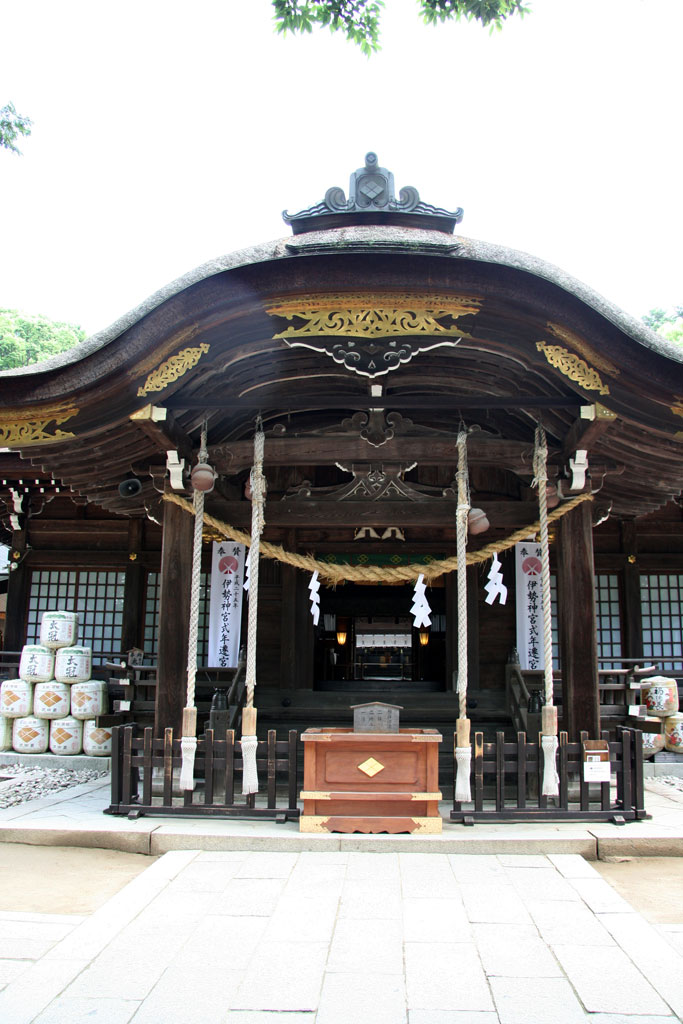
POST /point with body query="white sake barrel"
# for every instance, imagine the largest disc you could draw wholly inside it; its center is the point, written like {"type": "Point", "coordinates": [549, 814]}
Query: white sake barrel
{"type": "Point", "coordinates": [73, 664]}
{"type": "Point", "coordinates": [660, 695]}
{"type": "Point", "coordinates": [59, 629]}
{"type": "Point", "coordinates": [51, 700]}
{"type": "Point", "coordinates": [88, 700]}
{"type": "Point", "coordinates": [30, 735]}
{"type": "Point", "coordinates": [653, 743]}
{"type": "Point", "coordinates": [16, 698]}
{"type": "Point", "coordinates": [37, 663]}
{"type": "Point", "coordinates": [673, 734]}
{"type": "Point", "coordinates": [66, 736]}
{"type": "Point", "coordinates": [96, 739]}
{"type": "Point", "coordinates": [5, 733]}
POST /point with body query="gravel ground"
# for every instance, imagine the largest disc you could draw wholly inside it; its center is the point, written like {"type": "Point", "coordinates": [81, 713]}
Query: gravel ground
{"type": "Point", "coordinates": [20, 783]}
{"type": "Point", "coordinates": [669, 780]}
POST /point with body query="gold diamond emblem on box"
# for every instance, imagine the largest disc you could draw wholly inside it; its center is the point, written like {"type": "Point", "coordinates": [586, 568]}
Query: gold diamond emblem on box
{"type": "Point", "coordinates": [61, 735]}
{"type": "Point", "coordinates": [79, 699]}
{"type": "Point", "coordinates": [50, 698]}
{"type": "Point", "coordinates": [27, 734]}
{"type": "Point", "coordinates": [371, 767]}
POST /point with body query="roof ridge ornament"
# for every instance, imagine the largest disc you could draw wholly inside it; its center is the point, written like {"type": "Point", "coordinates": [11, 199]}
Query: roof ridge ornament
{"type": "Point", "coordinates": [372, 200]}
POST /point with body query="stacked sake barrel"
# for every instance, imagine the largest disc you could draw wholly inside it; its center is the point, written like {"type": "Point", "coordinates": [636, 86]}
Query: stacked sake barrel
{"type": "Point", "coordinates": [659, 694]}
{"type": "Point", "coordinates": [55, 702]}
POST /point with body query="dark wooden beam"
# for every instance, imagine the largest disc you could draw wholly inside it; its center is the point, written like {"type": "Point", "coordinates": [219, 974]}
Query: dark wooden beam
{"type": "Point", "coordinates": [503, 514]}
{"type": "Point", "coordinates": [293, 403]}
{"type": "Point", "coordinates": [576, 613]}
{"type": "Point", "coordinates": [174, 618]}
{"type": "Point", "coordinates": [232, 457]}
{"type": "Point", "coordinates": [584, 433]}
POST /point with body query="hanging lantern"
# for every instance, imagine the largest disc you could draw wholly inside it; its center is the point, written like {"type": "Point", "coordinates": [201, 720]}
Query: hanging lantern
{"type": "Point", "coordinates": [341, 637]}
{"type": "Point", "coordinates": [203, 477]}
{"type": "Point", "coordinates": [477, 521]}
{"type": "Point", "coordinates": [424, 638]}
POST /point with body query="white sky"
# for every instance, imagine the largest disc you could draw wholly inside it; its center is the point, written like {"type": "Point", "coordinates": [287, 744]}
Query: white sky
{"type": "Point", "coordinates": [168, 132]}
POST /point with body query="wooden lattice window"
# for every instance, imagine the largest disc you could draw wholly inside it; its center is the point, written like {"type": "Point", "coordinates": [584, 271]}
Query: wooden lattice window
{"type": "Point", "coordinates": [608, 617]}
{"type": "Point", "coordinates": [97, 597]}
{"type": "Point", "coordinates": [152, 596]}
{"type": "Point", "coordinates": [661, 603]}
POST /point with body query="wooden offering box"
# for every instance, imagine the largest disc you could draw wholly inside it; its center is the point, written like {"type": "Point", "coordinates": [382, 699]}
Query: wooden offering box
{"type": "Point", "coordinates": [371, 782]}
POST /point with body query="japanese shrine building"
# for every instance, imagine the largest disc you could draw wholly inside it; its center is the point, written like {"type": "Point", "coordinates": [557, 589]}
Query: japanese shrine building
{"type": "Point", "coordinates": [363, 341]}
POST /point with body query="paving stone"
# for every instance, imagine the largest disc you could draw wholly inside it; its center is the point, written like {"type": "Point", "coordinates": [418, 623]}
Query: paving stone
{"type": "Point", "coordinates": [435, 920]}
{"type": "Point", "coordinates": [536, 1001]}
{"type": "Point", "coordinates": [427, 875]}
{"type": "Point", "coordinates": [267, 865]}
{"type": "Point", "coordinates": [369, 865]}
{"type": "Point", "coordinates": [302, 919]}
{"type": "Point", "coordinates": [495, 902]}
{"type": "Point", "coordinates": [267, 1017]}
{"type": "Point", "coordinates": [376, 947]}
{"type": "Point", "coordinates": [571, 865]}
{"type": "Point", "coordinates": [192, 994]}
{"type": "Point", "coordinates": [445, 976]}
{"type": "Point", "coordinates": [205, 876]}
{"type": "Point", "coordinates": [515, 951]}
{"type": "Point", "coordinates": [541, 884]}
{"type": "Point", "coordinates": [11, 969]}
{"type": "Point", "coordinates": [476, 868]}
{"type": "Point", "coordinates": [600, 896]}
{"type": "Point", "coordinates": [347, 997]}
{"type": "Point", "coordinates": [363, 898]}
{"type": "Point", "coordinates": [283, 978]}
{"type": "Point", "coordinates": [30, 993]}
{"type": "Point", "coordinates": [528, 860]}
{"type": "Point", "coordinates": [452, 1017]}
{"type": "Point", "coordinates": [621, 1018]}
{"type": "Point", "coordinates": [607, 981]}
{"type": "Point", "coordinates": [24, 949]}
{"type": "Point", "coordinates": [88, 1011]}
{"type": "Point", "coordinates": [250, 896]}
{"type": "Point", "coordinates": [222, 942]}
{"type": "Point", "coordinates": [654, 956]}
{"type": "Point", "coordinates": [568, 923]}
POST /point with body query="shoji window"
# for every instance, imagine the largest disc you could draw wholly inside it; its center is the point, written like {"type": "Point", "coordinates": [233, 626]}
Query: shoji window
{"type": "Point", "coordinates": [661, 599]}
{"type": "Point", "coordinates": [96, 596]}
{"type": "Point", "coordinates": [152, 616]}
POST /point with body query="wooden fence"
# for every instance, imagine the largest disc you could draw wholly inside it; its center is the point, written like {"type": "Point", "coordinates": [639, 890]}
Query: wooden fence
{"type": "Point", "coordinates": [145, 773]}
{"type": "Point", "coordinates": [506, 782]}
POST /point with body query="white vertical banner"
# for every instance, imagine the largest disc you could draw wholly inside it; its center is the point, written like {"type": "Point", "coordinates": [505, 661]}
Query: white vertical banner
{"type": "Point", "coordinates": [529, 605]}
{"type": "Point", "coordinates": [225, 610]}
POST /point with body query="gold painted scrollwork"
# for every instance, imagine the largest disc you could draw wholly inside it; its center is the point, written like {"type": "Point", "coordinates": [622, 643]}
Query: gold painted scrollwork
{"type": "Point", "coordinates": [23, 427]}
{"type": "Point", "coordinates": [373, 315]}
{"type": "Point", "coordinates": [172, 369]}
{"type": "Point", "coordinates": [571, 366]}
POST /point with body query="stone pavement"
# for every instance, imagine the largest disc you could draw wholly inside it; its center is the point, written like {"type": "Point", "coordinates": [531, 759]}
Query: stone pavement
{"type": "Point", "coordinates": [332, 937]}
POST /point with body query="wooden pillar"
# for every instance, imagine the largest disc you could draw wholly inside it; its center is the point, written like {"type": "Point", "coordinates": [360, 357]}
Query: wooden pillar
{"type": "Point", "coordinates": [288, 633]}
{"type": "Point", "coordinates": [18, 585]}
{"type": "Point", "coordinates": [132, 628]}
{"type": "Point", "coordinates": [577, 629]}
{"type": "Point", "coordinates": [174, 618]}
{"type": "Point", "coordinates": [633, 620]}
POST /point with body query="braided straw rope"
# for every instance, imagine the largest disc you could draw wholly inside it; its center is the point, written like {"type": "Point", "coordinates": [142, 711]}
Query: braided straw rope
{"type": "Point", "coordinates": [541, 478]}
{"type": "Point", "coordinates": [258, 494]}
{"type": "Point", "coordinates": [332, 574]}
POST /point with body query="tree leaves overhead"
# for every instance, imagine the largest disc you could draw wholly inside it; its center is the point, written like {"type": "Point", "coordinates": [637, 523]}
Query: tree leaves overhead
{"type": "Point", "coordinates": [12, 125]}
{"type": "Point", "coordinates": [26, 339]}
{"type": "Point", "coordinates": [668, 323]}
{"type": "Point", "coordinates": [359, 19]}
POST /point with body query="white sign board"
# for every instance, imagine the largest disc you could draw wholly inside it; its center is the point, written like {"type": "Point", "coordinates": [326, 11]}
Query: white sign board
{"type": "Point", "coordinates": [225, 610]}
{"type": "Point", "coordinates": [529, 605]}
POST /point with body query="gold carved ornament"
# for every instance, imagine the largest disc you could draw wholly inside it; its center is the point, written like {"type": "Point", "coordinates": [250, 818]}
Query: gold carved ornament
{"type": "Point", "coordinates": [172, 369]}
{"type": "Point", "coordinates": [22, 427]}
{"type": "Point", "coordinates": [372, 315]}
{"type": "Point", "coordinates": [573, 367]}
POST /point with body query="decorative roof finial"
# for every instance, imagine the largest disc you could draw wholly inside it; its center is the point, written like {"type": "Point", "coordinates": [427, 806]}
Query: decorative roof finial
{"type": "Point", "coordinates": [372, 201]}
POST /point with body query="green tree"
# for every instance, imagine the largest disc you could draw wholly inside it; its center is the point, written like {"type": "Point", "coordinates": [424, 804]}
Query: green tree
{"type": "Point", "coordinates": [12, 125]}
{"type": "Point", "coordinates": [26, 339]}
{"type": "Point", "coordinates": [359, 19]}
{"type": "Point", "coordinates": [668, 323]}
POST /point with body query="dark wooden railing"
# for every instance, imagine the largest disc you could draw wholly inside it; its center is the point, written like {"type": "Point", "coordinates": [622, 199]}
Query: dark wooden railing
{"type": "Point", "coordinates": [145, 772]}
{"type": "Point", "coordinates": [506, 782]}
